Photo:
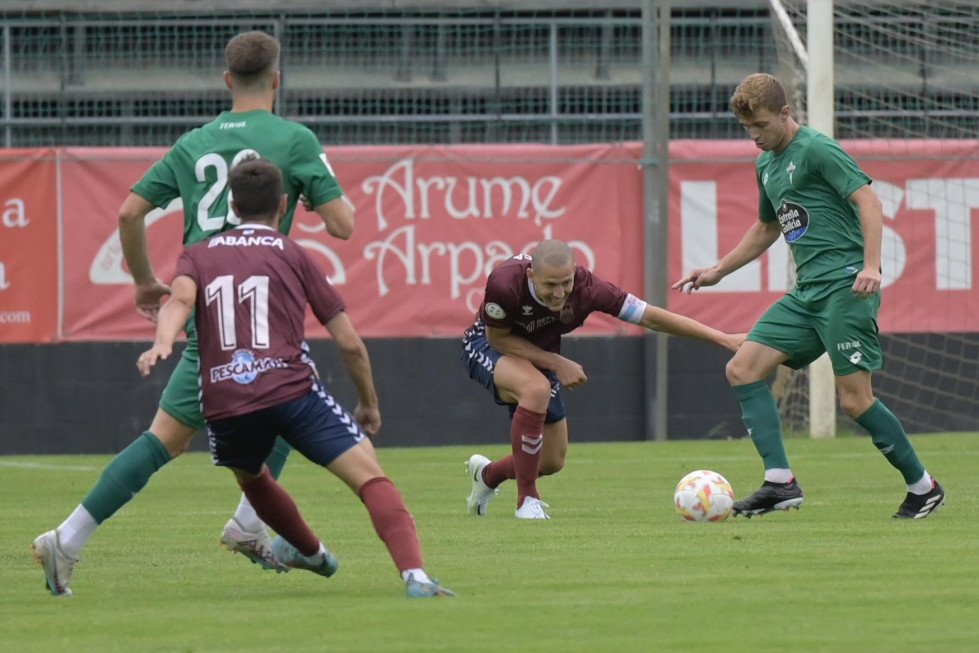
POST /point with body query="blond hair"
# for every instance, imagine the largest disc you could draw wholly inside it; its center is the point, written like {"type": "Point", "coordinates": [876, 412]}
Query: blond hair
{"type": "Point", "coordinates": [758, 91]}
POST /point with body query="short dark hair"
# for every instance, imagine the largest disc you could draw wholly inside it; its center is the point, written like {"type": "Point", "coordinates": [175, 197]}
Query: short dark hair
{"type": "Point", "coordinates": [555, 253]}
{"type": "Point", "coordinates": [251, 56]}
{"type": "Point", "coordinates": [256, 187]}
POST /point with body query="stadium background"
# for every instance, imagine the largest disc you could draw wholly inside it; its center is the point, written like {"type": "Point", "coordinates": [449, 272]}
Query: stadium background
{"type": "Point", "coordinates": [103, 73]}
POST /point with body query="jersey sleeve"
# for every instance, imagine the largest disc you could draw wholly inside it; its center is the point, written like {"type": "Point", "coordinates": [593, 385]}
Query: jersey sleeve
{"type": "Point", "coordinates": [324, 299]}
{"type": "Point", "coordinates": [601, 295]}
{"type": "Point", "coordinates": [186, 266]}
{"type": "Point", "coordinates": [766, 212]}
{"type": "Point", "coordinates": [158, 185]}
{"type": "Point", "coordinates": [501, 300]}
{"type": "Point", "coordinates": [312, 169]}
{"type": "Point", "coordinates": [837, 167]}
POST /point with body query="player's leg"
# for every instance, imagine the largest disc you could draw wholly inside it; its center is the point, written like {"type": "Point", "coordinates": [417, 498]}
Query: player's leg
{"type": "Point", "coordinates": [783, 334]}
{"type": "Point", "coordinates": [241, 443]}
{"type": "Point", "coordinates": [555, 450]}
{"type": "Point", "coordinates": [122, 479]}
{"type": "Point", "coordinates": [851, 327]}
{"type": "Point", "coordinates": [333, 439]}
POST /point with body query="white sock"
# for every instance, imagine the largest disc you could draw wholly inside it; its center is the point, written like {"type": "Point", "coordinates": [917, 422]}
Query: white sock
{"type": "Point", "coordinates": [419, 575]}
{"type": "Point", "coordinates": [776, 475]}
{"type": "Point", "coordinates": [315, 558]}
{"type": "Point", "coordinates": [922, 486]}
{"type": "Point", "coordinates": [75, 531]}
{"type": "Point", "coordinates": [246, 516]}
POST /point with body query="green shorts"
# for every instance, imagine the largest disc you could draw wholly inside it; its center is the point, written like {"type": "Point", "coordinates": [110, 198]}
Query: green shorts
{"type": "Point", "coordinates": [810, 320]}
{"type": "Point", "coordinates": [182, 397]}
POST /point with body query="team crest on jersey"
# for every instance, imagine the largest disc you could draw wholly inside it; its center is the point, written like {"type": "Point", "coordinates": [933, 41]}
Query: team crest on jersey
{"type": "Point", "coordinates": [567, 314]}
{"type": "Point", "coordinates": [790, 170]}
{"type": "Point", "coordinates": [527, 309]}
{"type": "Point", "coordinates": [794, 220]}
{"type": "Point", "coordinates": [495, 311]}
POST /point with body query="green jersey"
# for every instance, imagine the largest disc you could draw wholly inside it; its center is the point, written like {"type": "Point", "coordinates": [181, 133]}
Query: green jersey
{"type": "Point", "coordinates": [805, 187]}
{"type": "Point", "coordinates": [196, 169]}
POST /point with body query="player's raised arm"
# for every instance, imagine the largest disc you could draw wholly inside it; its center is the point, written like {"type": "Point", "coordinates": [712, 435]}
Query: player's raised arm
{"type": "Point", "coordinates": [132, 235]}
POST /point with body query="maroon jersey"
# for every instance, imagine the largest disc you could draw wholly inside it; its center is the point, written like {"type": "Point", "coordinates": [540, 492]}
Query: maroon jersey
{"type": "Point", "coordinates": [510, 303]}
{"type": "Point", "coordinates": [253, 285]}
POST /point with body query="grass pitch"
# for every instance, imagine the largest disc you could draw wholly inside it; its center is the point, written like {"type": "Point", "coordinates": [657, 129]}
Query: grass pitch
{"type": "Point", "coordinates": [613, 570]}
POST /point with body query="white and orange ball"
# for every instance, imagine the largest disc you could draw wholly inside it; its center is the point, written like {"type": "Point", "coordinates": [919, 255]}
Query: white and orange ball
{"type": "Point", "coordinates": [703, 495]}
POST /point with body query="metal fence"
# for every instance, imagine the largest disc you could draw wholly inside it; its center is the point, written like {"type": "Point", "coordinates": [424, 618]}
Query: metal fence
{"type": "Point", "coordinates": [433, 76]}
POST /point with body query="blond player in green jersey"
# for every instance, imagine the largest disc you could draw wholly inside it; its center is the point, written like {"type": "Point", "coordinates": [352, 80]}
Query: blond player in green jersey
{"type": "Point", "coordinates": [817, 197]}
{"type": "Point", "coordinates": [196, 171]}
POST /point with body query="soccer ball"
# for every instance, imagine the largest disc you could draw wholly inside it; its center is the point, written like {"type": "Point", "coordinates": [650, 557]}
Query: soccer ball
{"type": "Point", "coordinates": [703, 495]}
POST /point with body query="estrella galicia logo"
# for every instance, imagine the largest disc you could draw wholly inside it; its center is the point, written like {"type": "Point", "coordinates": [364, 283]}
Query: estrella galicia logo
{"type": "Point", "coordinates": [243, 364]}
{"type": "Point", "coordinates": [794, 220]}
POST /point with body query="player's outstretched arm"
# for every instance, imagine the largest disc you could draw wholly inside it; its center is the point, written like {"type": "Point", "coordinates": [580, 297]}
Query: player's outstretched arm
{"type": "Point", "coordinates": [358, 364]}
{"type": "Point", "coordinates": [172, 318]}
{"type": "Point", "coordinates": [658, 319]}
{"type": "Point", "coordinates": [755, 241]}
{"type": "Point", "coordinates": [132, 235]}
{"type": "Point", "coordinates": [338, 215]}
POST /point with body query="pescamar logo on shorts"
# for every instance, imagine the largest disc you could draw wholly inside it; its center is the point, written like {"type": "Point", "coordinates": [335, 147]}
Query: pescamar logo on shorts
{"type": "Point", "coordinates": [794, 220]}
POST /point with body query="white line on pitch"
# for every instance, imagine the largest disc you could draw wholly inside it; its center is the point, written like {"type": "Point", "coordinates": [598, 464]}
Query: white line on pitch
{"type": "Point", "coordinates": [73, 468]}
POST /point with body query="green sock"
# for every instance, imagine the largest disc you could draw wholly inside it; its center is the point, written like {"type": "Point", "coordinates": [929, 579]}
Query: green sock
{"type": "Point", "coordinates": [278, 456]}
{"type": "Point", "coordinates": [760, 416]}
{"type": "Point", "coordinates": [889, 437]}
{"type": "Point", "coordinates": [125, 476]}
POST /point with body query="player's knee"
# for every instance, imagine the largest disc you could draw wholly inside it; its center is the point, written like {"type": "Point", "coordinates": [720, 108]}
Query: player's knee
{"type": "Point", "coordinates": [536, 393]}
{"type": "Point", "coordinates": [854, 404]}
{"type": "Point", "coordinates": [736, 372]}
{"type": "Point", "coordinates": [548, 467]}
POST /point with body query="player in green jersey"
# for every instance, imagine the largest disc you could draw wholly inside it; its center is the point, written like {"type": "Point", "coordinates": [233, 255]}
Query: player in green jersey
{"type": "Point", "coordinates": [817, 197]}
{"type": "Point", "coordinates": [196, 171]}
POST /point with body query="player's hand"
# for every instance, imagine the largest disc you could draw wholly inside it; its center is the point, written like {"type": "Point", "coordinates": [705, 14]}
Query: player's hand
{"type": "Point", "coordinates": [368, 418]}
{"type": "Point", "coordinates": [733, 341]}
{"type": "Point", "coordinates": [151, 356]}
{"type": "Point", "coordinates": [867, 283]}
{"type": "Point", "coordinates": [306, 203]}
{"type": "Point", "coordinates": [697, 279]}
{"type": "Point", "coordinates": [148, 298]}
{"type": "Point", "coordinates": [570, 374]}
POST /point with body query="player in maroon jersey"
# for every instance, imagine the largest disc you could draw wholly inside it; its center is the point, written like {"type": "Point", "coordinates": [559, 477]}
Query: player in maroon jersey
{"type": "Point", "coordinates": [250, 286]}
{"type": "Point", "coordinates": [514, 350]}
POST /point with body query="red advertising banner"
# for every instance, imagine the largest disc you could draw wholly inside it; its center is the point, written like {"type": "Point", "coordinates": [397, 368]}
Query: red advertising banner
{"type": "Point", "coordinates": [930, 193]}
{"type": "Point", "coordinates": [431, 223]}
{"type": "Point", "coordinates": [28, 246]}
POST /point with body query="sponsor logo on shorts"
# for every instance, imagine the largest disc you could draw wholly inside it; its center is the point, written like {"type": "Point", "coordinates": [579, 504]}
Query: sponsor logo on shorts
{"type": "Point", "coordinates": [494, 310]}
{"type": "Point", "coordinates": [849, 344]}
{"type": "Point", "coordinates": [244, 367]}
{"type": "Point", "coordinates": [856, 357]}
{"type": "Point", "coordinates": [794, 220]}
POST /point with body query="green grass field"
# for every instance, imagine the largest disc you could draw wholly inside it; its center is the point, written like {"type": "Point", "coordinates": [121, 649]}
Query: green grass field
{"type": "Point", "coordinates": [613, 570]}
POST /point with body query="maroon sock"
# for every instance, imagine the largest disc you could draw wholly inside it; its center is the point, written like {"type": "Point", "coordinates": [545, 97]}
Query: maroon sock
{"type": "Point", "coordinates": [498, 471]}
{"type": "Point", "coordinates": [276, 508]}
{"type": "Point", "coordinates": [392, 521]}
{"type": "Point", "coordinates": [527, 438]}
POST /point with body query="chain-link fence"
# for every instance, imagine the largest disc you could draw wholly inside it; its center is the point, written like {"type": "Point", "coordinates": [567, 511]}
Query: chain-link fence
{"type": "Point", "coordinates": [375, 76]}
